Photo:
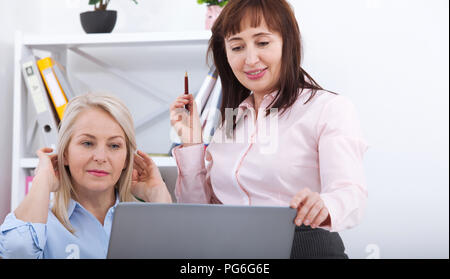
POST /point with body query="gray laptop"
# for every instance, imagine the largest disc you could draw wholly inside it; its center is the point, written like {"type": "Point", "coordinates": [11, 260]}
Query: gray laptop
{"type": "Point", "coordinates": [196, 231]}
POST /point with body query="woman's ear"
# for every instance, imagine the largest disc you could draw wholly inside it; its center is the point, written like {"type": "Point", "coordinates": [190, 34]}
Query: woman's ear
{"type": "Point", "coordinates": [125, 165]}
{"type": "Point", "coordinates": [66, 162]}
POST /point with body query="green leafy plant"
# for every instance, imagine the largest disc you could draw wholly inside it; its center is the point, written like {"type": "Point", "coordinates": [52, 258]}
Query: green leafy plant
{"type": "Point", "coordinates": [220, 3]}
{"type": "Point", "coordinates": [102, 4]}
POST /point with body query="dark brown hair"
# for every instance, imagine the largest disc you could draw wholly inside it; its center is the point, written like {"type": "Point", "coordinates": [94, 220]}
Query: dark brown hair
{"type": "Point", "coordinates": [280, 18]}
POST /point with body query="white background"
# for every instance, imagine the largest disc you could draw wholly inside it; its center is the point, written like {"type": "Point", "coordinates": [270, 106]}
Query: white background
{"type": "Point", "coordinates": [391, 57]}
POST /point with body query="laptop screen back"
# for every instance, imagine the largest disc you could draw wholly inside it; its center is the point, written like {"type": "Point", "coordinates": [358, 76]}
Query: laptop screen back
{"type": "Point", "coordinates": [195, 231]}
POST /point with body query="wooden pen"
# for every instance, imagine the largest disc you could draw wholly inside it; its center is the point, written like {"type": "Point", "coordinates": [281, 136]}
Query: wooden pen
{"type": "Point", "coordinates": [186, 88]}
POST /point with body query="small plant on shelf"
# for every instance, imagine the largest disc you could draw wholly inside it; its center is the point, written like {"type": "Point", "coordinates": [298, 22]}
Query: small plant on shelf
{"type": "Point", "coordinates": [100, 20]}
{"type": "Point", "coordinates": [103, 4]}
{"type": "Point", "coordinates": [220, 3]}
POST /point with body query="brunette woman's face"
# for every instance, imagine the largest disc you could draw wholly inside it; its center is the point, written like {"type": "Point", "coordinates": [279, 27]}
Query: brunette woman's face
{"type": "Point", "coordinates": [97, 151]}
{"type": "Point", "coordinates": [254, 55]}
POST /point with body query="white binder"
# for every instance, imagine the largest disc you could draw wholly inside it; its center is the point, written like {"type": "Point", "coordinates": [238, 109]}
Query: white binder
{"type": "Point", "coordinates": [46, 122]}
{"type": "Point", "coordinates": [210, 118]}
{"type": "Point", "coordinates": [63, 81]}
{"type": "Point", "coordinates": [205, 90]}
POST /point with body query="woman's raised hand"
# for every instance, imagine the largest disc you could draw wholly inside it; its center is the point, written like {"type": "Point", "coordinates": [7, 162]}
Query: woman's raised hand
{"type": "Point", "coordinates": [47, 169]}
{"type": "Point", "coordinates": [35, 205]}
{"type": "Point", "coordinates": [186, 123]}
{"type": "Point", "coordinates": [147, 183]}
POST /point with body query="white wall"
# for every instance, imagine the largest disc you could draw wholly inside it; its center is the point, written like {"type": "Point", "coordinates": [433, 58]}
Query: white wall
{"type": "Point", "coordinates": [389, 56]}
{"type": "Point", "coordinates": [13, 15]}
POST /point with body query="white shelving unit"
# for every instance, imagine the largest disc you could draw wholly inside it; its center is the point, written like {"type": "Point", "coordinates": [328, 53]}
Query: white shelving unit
{"type": "Point", "coordinates": [59, 46]}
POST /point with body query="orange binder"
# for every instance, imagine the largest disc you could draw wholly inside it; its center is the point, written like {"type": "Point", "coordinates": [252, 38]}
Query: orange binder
{"type": "Point", "coordinates": [52, 84]}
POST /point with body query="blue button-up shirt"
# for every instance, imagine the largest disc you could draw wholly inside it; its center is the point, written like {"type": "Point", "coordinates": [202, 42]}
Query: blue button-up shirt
{"type": "Point", "coordinates": [19, 239]}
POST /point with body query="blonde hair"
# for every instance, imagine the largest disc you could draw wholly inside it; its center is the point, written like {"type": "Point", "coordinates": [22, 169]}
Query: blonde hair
{"type": "Point", "coordinates": [121, 114]}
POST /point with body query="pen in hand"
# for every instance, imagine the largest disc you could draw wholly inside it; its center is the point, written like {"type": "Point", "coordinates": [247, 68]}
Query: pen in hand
{"type": "Point", "coordinates": [186, 88]}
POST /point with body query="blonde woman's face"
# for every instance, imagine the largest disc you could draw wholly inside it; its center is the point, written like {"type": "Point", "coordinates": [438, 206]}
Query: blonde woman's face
{"type": "Point", "coordinates": [97, 152]}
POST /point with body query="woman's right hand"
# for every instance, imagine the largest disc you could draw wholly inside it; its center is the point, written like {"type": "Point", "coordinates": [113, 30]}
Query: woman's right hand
{"type": "Point", "coordinates": [186, 123]}
{"type": "Point", "coordinates": [34, 207]}
{"type": "Point", "coordinates": [47, 169]}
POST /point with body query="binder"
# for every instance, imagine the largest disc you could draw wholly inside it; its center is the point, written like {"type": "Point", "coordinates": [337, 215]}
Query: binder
{"type": "Point", "coordinates": [46, 121]}
{"type": "Point", "coordinates": [46, 67]}
{"type": "Point", "coordinates": [210, 117]}
{"type": "Point", "coordinates": [63, 81]}
{"type": "Point", "coordinates": [206, 88]}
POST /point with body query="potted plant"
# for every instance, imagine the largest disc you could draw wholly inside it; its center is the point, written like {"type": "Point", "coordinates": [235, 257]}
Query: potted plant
{"type": "Point", "coordinates": [213, 9]}
{"type": "Point", "coordinates": [100, 20]}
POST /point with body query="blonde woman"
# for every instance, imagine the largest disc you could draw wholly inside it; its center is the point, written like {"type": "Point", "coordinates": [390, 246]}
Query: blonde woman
{"type": "Point", "coordinates": [94, 168]}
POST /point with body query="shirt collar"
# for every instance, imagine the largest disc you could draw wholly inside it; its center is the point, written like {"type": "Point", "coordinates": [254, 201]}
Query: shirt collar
{"type": "Point", "coordinates": [73, 204]}
{"type": "Point", "coordinates": [249, 103]}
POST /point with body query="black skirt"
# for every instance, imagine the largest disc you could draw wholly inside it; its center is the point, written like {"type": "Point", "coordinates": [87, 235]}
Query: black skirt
{"type": "Point", "coordinates": [317, 243]}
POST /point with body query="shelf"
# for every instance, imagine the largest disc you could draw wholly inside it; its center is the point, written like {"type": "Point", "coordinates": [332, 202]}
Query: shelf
{"type": "Point", "coordinates": [160, 161]}
{"type": "Point", "coordinates": [117, 39]}
{"type": "Point", "coordinates": [175, 44]}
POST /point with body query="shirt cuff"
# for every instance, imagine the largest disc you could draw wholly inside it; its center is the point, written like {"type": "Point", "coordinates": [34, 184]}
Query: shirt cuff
{"type": "Point", "coordinates": [37, 231]}
{"type": "Point", "coordinates": [329, 204]}
{"type": "Point", "coordinates": [190, 160]}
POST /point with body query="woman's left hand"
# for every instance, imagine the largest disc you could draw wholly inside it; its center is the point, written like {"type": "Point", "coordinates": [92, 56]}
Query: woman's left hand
{"type": "Point", "coordinates": [311, 209]}
{"type": "Point", "coordinates": [146, 178]}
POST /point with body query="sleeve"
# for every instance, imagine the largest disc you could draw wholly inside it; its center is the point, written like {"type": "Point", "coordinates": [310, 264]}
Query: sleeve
{"type": "Point", "coordinates": [193, 183]}
{"type": "Point", "coordinates": [23, 240]}
{"type": "Point", "coordinates": [341, 150]}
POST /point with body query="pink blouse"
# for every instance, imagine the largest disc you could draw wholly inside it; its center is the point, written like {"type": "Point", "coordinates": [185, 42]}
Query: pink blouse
{"type": "Point", "coordinates": [318, 145]}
